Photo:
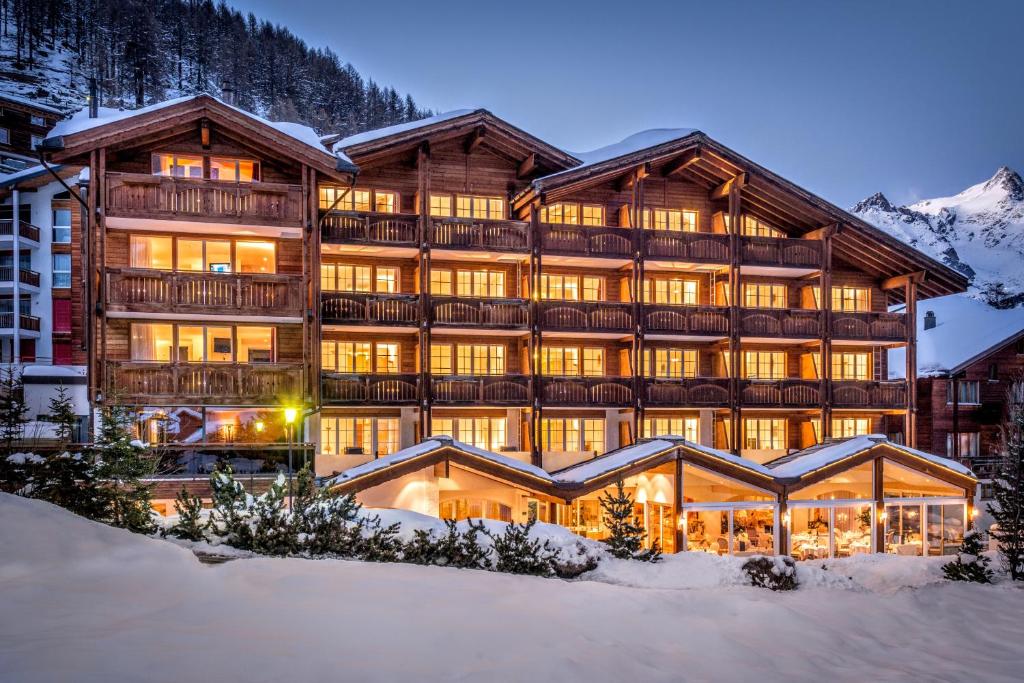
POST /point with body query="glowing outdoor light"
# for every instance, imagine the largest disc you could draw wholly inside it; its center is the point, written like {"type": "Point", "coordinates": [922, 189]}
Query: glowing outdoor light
{"type": "Point", "coordinates": [259, 425]}
{"type": "Point", "coordinates": [290, 414]}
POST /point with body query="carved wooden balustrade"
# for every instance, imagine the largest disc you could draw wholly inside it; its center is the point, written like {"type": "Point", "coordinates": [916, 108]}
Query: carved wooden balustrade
{"type": "Point", "coordinates": [157, 383]}
{"type": "Point", "coordinates": [368, 389]}
{"type": "Point", "coordinates": [686, 391]}
{"type": "Point", "coordinates": [511, 390]}
{"type": "Point", "coordinates": [668, 318]}
{"type": "Point", "coordinates": [586, 240]}
{"type": "Point", "coordinates": [780, 322]}
{"type": "Point", "coordinates": [362, 308]}
{"type": "Point", "coordinates": [479, 234]}
{"type": "Point", "coordinates": [874, 326]}
{"type": "Point", "coordinates": [368, 227]}
{"type": "Point", "coordinates": [780, 251]}
{"type": "Point", "coordinates": [701, 247]}
{"type": "Point", "coordinates": [586, 316]}
{"type": "Point", "coordinates": [163, 291]}
{"type": "Point", "coordinates": [454, 311]}
{"type": "Point", "coordinates": [869, 394]}
{"type": "Point", "coordinates": [587, 391]}
{"type": "Point", "coordinates": [781, 393]}
{"type": "Point", "coordinates": [142, 195]}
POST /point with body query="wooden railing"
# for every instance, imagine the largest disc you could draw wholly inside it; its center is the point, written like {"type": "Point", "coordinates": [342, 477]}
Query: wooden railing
{"type": "Point", "coordinates": [454, 311]}
{"type": "Point", "coordinates": [780, 251]}
{"type": "Point", "coordinates": [688, 391]}
{"type": "Point", "coordinates": [159, 383]}
{"type": "Point", "coordinates": [142, 195]}
{"type": "Point", "coordinates": [479, 234]}
{"type": "Point", "coordinates": [25, 322]}
{"type": "Point", "coordinates": [586, 316]}
{"type": "Point", "coordinates": [367, 227]}
{"type": "Point", "coordinates": [869, 394]}
{"type": "Point", "coordinates": [701, 247]}
{"type": "Point", "coordinates": [710, 320]}
{"type": "Point", "coordinates": [781, 393]}
{"type": "Point", "coordinates": [164, 291]}
{"type": "Point", "coordinates": [881, 326]}
{"type": "Point", "coordinates": [344, 389]}
{"type": "Point", "coordinates": [576, 240]}
{"type": "Point", "coordinates": [587, 391]}
{"type": "Point", "coordinates": [25, 276]}
{"type": "Point", "coordinates": [780, 322]}
{"type": "Point", "coordinates": [359, 308]}
{"type": "Point", "coordinates": [481, 389]}
{"type": "Point", "coordinates": [25, 229]}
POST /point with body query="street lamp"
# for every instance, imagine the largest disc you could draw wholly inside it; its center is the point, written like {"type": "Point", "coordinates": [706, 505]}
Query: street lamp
{"type": "Point", "coordinates": [289, 420]}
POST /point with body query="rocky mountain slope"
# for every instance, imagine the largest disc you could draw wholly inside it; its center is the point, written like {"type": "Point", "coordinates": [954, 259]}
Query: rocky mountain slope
{"type": "Point", "coordinates": [979, 232]}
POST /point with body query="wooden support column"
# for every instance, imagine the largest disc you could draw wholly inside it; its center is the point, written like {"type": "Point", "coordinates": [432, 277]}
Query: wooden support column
{"type": "Point", "coordinates": [911, 419]}
{"type": "Point", "coordinates": [314, 281]}
{"type": "Point", "coordinates": [955, 389]}
{"type": "Point", "coordinates": [735, 409]}
{"type": "Point", "coordinates": [88, 319]}
{"type": "Point", "coordinates": [307, 294]}
{"type": "Point", "coordinates": [424, 389]}
{"type": "Point", "coordinates": [783, 534]}
{"type": "Point", "coordinates": [99, 272]}
{"type": "Point", "coordinates": [639, 371]}
{"type": "Point", "coordinates": [825, 358]}
{"type": "Point", "coordinates": [536, 456]}
{"type": "Point", "coordinates": [879, 493]}
{"type": "Point", "coordinates": [677, 503]}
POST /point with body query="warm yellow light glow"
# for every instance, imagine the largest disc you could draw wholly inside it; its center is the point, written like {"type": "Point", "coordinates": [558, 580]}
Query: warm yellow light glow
{"type": "Point", "coordinates": [259, 425]}
{"type": "Point", "coordinates": [974, 512]}
{"type": "Point", "coordinates": [785, 518]}
{"type": "Point", "coordinates": [883, 516]}
{"type": "Point", "coordinates": [290, 414]}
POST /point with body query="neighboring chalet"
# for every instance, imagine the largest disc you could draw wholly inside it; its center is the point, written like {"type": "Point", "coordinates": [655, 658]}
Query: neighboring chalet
{"type": "Point", "coordinates": [969, 356]}
{"type": "Point", "coordinates": [24, 123]}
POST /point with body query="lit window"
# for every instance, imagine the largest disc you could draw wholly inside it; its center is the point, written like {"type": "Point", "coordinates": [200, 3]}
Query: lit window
{"type": "Point", "coordinates": [686, 427]}
{"type": "Point", "coordinates": [255, 257]}
{"type": "Point", "coordinates": [387, 358]}
{"type": "Point", "coordinates": [572, 435]}
{"type": "Point", "coordinates": [593, 362]}
{"type": "Point", "coordinates": [480, 359]}
{"type": "Point", "coordinates": [752, 227]}
{"type": "Point", "coordinates": [386, 280]}
{"type": "Point", "coordinates": [151, 342]}
{"type": "Point", "coordinates": [441, 282]}
{"type": "Point", "coordinates": [675, 291]}
{"type": "Point", "coordinates": [764, 434]}
{"type": "Point", "coordinates": [346, 435]}
{"type": "Point", "coordinates": [385, 202]}
{"type": "Point", "coordinates": [151, 252]}
{"type": "Point", "coordinates": [846, 427]}
{"type": "Point", "coordinates": [441, 359]}
{"type": "Point", "coordinates": [567, 287]}
{"type": "Point", "coordinates": [671, 363]}
{"type": "Point", "coordinates": [480, 283]}
{"type": "Point", "coordinates": [470, 206]}
{"type": "Point", "coordinates": [329, 355]}
{"type": "Point", "coordinates": [764, 364]}
{"type": "Point", "coordinates": [234, 170]}
{"type": "Point", "coordinates": [560, 360]}
{"type": "Point", "coordinates": [566, 214]}
{"type": "Point", "coordinates": [353, 278]}
{"type": "Point", "coordinates": [331, 197]}
{"type": "Point", "coordinates": [764, 296]}
{"type": "Point", "coordinates": [852, 366]}
{"type": "Point", "coordinates": [352, 357]}
{"type": "Point", "coordinates": [593, 215]}
{"type": "Point", "coordinates": [328, 277]}
{"type": "Point", "coordinates": [440, 205]}
{"type": "Point", "coordinates": [388, 435]}
{"type": "Point", "coordinates": [851, 299]}
{"type": "Point", "coordinates": [592, 287]}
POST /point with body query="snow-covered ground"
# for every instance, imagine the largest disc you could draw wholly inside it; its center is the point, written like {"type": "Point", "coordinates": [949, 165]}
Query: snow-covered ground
{"type": "Point", "coordinates": [84, 602]}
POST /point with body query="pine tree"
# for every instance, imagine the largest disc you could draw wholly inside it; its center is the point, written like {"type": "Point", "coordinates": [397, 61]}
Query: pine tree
{"type": "Point", "coordinates": [72, 481]}
{"type": "Point", "coordinates": [63, 417]}
{"type": "Point", "coordinates": [970, 564]}
{"type": "Point", "coordinates": [122, 461]}
{"type": "Point", "coordinates": [190, 525]}
{"type": "Point", "coordinates": [626, 533]}
{"type": "Point", "coordinates": [229, 516]}
{"type": "Point", "coordinates": [1007, 506]}
{"type": "Point", "coordinates": [272, 530]}
{"type": "Point", "coordinates": [13, 410]}
{"type": "Point", "coordinates": [516, 553]}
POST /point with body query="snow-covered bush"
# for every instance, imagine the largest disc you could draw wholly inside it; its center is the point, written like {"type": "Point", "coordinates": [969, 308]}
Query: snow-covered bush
{"type": "Point", "coordinates": [777, 573]}
{"type": "Point", "coordinates": [516, 553]}
{"type": "Point", "coordinates": [191, 524]}
{"type": "Point", "coordinates": [969, 564]}
{"type": "Point", "coordinates": [453, 548]}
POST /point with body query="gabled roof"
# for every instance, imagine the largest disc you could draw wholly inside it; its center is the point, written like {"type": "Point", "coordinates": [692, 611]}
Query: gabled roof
{"type": "Point", "coordinates": [497, 133]}
{"type": "Point", "coordinates": [691, 153]}
{"type": "Point", "coordinates": [802, 463]}
{"type": "Point", "coordinates": [29, 103]}
{"type": "Point", "coordinates": [80, 133]}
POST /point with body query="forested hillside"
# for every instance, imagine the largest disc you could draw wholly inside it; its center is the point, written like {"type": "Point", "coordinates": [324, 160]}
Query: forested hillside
{"type": "Point", "coordinates": [142, 51]}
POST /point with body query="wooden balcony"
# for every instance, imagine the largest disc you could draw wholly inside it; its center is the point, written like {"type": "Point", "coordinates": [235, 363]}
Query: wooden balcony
{"type": "Point", "coordinates": [25, 276]}
{"type": "Point", "coordinates": [688, 320]}
{"type": "Point", "coordinates": [28, 323]}
{"type": "Point", "coordinates": [25, 229]}
{"type": "Point", "coordinates": [503, 390]}
{"type": "Point", "coordinates": [869, 326]}
{"type": "Point", "coordinates": [344, 389]}
{"type": "Point", "coordinates": [359, 308]}
{"type": "Point", "coordinates": [698, 247]}
{"type": "Point", "coordinates": [869, 394]}
{"type": "Point", "coordinates": [230, 384]}
{"type": "Point", "coordinates": [143, 195]}
{"type": "Point", "coordinates": [587, 240]}
{"type": "Point", "coordinates": [686, 391]}
{"type": "Point", "coordinates": [479, 234]}
{"type": "Point", "coordinates": [452, 311]}
{"type": "Point", "coordinates": [781, 393]}
{"type": "Point", "coordinates": [785, 252]}
{"type": "Point", "coordinates": [780, 322]}
{"type": "Point", "coordinates": [367, 227]}
{"type": "Point", "coordinates": [586, 316]}
{"type": "Point", "coordinates": [587, 391]}
{"type": "Point", "coordinates": [164, 291]}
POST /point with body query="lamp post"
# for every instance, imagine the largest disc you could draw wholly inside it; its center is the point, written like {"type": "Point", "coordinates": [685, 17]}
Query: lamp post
{"type": "Point", "coordinates": [289, 420]}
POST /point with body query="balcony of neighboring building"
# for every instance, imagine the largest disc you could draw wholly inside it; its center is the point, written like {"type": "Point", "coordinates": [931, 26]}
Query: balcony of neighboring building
{"type": "Point", "coordinates": [28, 234]}
{"type": "Point", "coordinates": [27, 279]}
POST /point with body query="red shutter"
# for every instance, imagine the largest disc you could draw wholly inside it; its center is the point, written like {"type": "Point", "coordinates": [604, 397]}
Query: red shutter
{"type": "Point", "coordinates": [62, 315]}
{"type": "Point", "coordinates": [28, 350]}
{"type": "Point", "coordinates": [61, 353]}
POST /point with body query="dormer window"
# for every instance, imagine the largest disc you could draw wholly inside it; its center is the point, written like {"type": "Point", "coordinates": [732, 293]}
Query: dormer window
{"type": "Point", "coordinates": [227, 169]}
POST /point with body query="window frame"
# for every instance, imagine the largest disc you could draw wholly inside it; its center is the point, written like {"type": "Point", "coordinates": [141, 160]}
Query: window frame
{"type": "Point", "coordinates": [257, 170]}
{"type": "Point", "coordinates": [59, 282]}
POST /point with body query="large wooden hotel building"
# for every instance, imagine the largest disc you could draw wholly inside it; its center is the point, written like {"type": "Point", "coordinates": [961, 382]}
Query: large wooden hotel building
{"type": "Point", "coordinates": [458, 276]}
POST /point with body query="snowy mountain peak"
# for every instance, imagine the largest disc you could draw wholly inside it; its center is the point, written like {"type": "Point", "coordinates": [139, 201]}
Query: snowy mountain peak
{"type": "Point", "coordinates": [979, 232]}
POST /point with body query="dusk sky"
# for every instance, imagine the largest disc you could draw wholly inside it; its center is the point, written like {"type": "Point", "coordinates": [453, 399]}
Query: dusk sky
{"type": "Point", "coordinates": [913, 98]}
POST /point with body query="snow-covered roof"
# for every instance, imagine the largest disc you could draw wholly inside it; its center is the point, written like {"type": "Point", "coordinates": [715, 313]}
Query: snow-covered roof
{"type": "Point", "coordinates": [26, 174]}
{"type": "Point", "coordinates": [965, 328]}
{"type": "Point", "coordinates": [371, 135]}
{"type": "Point", "coordinates": [29, 102]}
{"type": "Point", "coordinates": [37, 370]}
{"type": "Point", "coordinates": [645, 139]}
{"type": "Point", "coordinates": [814, 458]}
{"type": "Point", "coordinates": [80, 121]}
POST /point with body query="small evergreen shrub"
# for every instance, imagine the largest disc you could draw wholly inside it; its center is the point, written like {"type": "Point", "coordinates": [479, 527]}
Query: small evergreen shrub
{"type": "Point", "coordinates": [190, 525]}
{"type": "Point", "coordinates": [516, 553]}
{"type": "Point", "coordinates": [969, 564]}
{"type": "Point", "coordinates": [454, 548]}
{"type": "Point", "coordinates": [273, 530]}
{"type": "Point", "coordinates": [776, 573]}
{"type": "Point", "coordinates": [626, 533]}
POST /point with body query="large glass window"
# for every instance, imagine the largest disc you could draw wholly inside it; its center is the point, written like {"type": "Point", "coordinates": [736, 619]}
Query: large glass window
{"type": "Point", "coordinates": [61, 270]}
{"type": "Point", "coordinates": [674, 291]}
{"type": "Point", "coordinates": [441, 282]}
{"type": "Point", "coordinates": [846, 298]}
{"type": "Point", "coordinates": [151, 251]}
{"type": "Point", "coordinates": [347, 277]}
{"type": "Point", "coordinates": [754, 227]}
{"type": "Point", "coordinates": [441, 359]}
{"type": "Point", "coordinates": [764, 365]}
{"type": "Point", "coordinates": [220, 168]}
{"type": "Point", "coordinates": [670, 219]}
{"type": "Point", "coordinates": [488, 433]}
{"type": "Point", "coordinates": [902, 482]}
{"type": "Point", "coordinates": [764, 296]}
{"type": "Point", "coordinates": [764, 434]}
{"type": "Point", "coordinates": [572, 434]}
{"type": "Point", "coordinates": [480, 359]}
{"type": "Point", "coordinates": [472, 206]}
{"type": "Point", "coordinates": [969, 392]}
{"type": "Point", "coordinates": [255, 257]}
{"type": "Point", "coordinates": [686, 427]}
{"type": "Point", "coordinates": [670, 362]}
{"type": "Point", "coordinates": [852, 484]}
{"type": "Point", "coordinates": [356, 435]}
{"type": "Point", "coordinates": [152, 341]}
{"type": "Point", "coordinates": [219, 256]}
{"type": "Point", "coordinates": [570, 287]}
{"type": "Point", "coordinates": [363, 200]}
{"type": "Point", "coordinates": [480, 283]}
{"type": "Point", "coordinates": [851, 366]}
{"type": "Point", "coordinates": [970, 445]}
{"type": "Point", "coordinates": [846, 427]}
{"type": "Point", "coordinates": [830, 530]}
{"type": "Point", "coordinates": [235, 170]}
{"type": "Point", "coordinates": [202, 343]}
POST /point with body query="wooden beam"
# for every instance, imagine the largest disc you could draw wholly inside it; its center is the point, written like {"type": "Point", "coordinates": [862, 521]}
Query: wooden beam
{"type": "Point", "coordinates": [821, 233]}
{"type": "Point", "coordinates": [722, 191]}
{"type": "Point", "coordinates": [627, 181]}
{"type": "Point", "coordinates": [527, 166]}
{"type": "Point", "coordinates": [916, 277]}
{"type": "Point", "coordinates": [475, 140]}
{"type": "Point", "coordinates": [687, 159]}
